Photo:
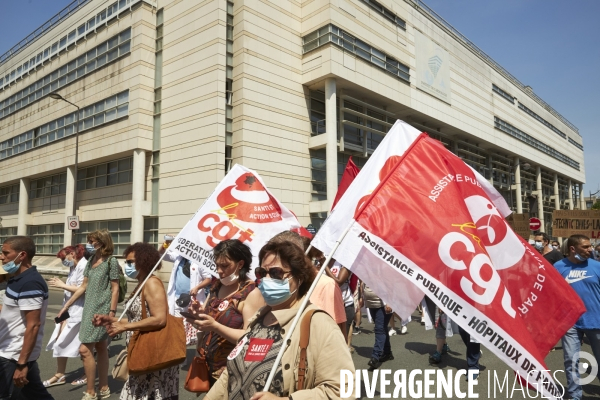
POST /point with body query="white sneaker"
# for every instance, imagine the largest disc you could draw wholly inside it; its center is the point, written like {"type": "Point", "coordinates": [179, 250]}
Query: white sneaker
{"type": "Point", "coordinates": [404, 330]}
{"type": "Point", "coordinates": [392, 332]}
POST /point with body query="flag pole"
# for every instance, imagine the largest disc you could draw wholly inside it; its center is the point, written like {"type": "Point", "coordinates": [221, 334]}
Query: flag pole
{"type": "Point", "coordinates": [303, 305]}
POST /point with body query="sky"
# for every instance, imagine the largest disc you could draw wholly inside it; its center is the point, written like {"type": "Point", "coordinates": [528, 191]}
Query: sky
{"type": "Point", "coordinates": [551, 45]}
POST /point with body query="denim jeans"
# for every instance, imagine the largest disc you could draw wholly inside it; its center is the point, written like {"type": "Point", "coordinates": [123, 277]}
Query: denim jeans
{"type": "Point", "coordinates": [571, 344]}
{"type": "Point", "coordinates": [382, 337]}
{"type": "Point", "coordinates": [473, 350]}
{"type": "Point", "coordinates": [33, 390]}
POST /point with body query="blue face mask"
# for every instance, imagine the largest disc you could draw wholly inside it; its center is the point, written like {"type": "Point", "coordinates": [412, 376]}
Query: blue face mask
{"type": "Point", "coordinates": [130, 270]}
{"type": "Point", "coordinates": [90, 248]}
{"type": "Point", "coordinates": [275, 291]}
{"type": "Point", "coordinates": [68, 263]}
{"type": "Point", "coordinates": [580, 257]}
{"type": "Point", "coordinates": [10, 267]}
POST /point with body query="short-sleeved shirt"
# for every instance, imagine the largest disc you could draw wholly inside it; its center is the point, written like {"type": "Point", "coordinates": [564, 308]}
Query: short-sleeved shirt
{"type": "Point", "coordinates": [584, 278]}
{"type": "Point", "coordinates": [553, 256]}
{"type": "Point", "coordinates": [328, 297]}
{"type": "Point", "coordinates": [25, 292]}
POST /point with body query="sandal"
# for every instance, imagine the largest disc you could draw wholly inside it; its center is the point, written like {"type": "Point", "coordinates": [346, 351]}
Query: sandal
{"type": "Point", "coordinates": [79, 381]}
{"type": "Point", "coordinates": [58, 380]}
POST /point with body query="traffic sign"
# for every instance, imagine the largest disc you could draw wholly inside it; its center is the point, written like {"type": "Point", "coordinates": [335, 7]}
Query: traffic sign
{"type": "Point", "coordinates": [73, 222]}
{"type": "Point", "coordinates": [534, 224]}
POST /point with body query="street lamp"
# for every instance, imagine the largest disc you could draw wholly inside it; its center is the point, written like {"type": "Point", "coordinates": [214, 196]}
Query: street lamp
{"type": "Point", "coordinates": [57, 96]}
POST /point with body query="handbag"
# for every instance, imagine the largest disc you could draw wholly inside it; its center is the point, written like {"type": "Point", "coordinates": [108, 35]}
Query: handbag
{"type": "Point", "coordinates": [150, 351]}
{"type": "Point", "coordinates": [197, 377]}
{"type": "Point", "coordinates": [120, 371]}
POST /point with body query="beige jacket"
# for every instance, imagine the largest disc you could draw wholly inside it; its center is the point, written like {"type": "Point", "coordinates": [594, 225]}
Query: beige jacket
{"type": "Point", "coordinates": [327, 354]}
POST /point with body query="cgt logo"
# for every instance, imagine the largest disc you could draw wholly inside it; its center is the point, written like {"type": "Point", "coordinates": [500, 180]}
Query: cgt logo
{"type": "Point", "coordinates": [223, 229]}
{"type": "Point", "coordinates": [495, 241]}
{"type": "Point", "coordinates": [581, 367]}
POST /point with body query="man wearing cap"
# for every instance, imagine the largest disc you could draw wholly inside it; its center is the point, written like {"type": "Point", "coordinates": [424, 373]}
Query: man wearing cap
{"type": "Point", "coordinates": [22, 322]}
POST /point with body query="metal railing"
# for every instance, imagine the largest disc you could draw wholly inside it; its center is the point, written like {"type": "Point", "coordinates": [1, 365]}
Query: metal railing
{"type": "Point", "coordinates": [424, 8]}
{"type": "Point", "coordinates": [46, 26]}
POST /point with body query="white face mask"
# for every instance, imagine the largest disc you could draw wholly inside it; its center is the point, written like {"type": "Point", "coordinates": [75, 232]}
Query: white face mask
{"type": "Point", "coordinates": [229, 280]}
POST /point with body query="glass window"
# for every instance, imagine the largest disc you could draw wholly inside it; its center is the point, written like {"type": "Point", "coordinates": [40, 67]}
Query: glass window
{"type": "Point", "coordinates": [48, 239]}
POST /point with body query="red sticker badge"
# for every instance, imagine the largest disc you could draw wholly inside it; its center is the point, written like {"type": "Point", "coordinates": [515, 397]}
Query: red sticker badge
{"type": "Point", "coordinates": [223, 305]}
{"type": "Point", "coordinates": [258, 349]}
{"type": "Point", "coordinates": [237, 349]}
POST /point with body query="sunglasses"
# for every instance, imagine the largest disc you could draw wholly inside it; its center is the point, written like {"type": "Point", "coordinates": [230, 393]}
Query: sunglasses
{"type": "Point", "coordinates": [274, 272]}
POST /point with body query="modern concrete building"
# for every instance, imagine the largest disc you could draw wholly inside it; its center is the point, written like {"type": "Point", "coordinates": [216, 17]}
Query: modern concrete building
{"type": "Point", "coordinates": [171, 93]}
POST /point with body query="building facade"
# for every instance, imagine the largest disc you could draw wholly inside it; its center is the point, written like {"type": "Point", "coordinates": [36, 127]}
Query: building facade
{"type": "Point", "coordinates": [172, 93]}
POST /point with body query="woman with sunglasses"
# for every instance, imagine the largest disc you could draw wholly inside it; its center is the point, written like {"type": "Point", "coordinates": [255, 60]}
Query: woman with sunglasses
{"type": "Point", "coordinates": [230, 304]}
{"type": "Point", "coordinates": [286, 276]}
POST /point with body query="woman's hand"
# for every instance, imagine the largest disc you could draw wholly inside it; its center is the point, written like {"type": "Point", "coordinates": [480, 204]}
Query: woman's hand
{"type": "Point", "coordinates": [266, 396]}
{"type": "Point", "coordinates": [194, 291]}
{"type": "Point", "coordinates": [62, 310]}
{"type": "Point", "coordinates": [115, 328]}
{"type": "Point", "coordinates": [388, 309]}
{"type": "Point", "coordinates": [55, 282]}
{"type": "Point", "coordinates": [102, 320]}
{"type": "Point", "coordinates": [204, 323]}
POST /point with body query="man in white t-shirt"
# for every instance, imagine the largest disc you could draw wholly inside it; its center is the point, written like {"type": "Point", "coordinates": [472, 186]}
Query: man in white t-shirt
{"type": "Point", "coordinates": [22, 322]}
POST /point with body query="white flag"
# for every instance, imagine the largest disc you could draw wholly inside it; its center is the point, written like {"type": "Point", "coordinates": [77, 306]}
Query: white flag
{"type": "Point", "coordinates": [241, 207]}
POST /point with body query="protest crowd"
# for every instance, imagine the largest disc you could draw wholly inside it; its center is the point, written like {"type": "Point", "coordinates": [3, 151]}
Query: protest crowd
{"type": "Point", "coordinates": [276, 318]}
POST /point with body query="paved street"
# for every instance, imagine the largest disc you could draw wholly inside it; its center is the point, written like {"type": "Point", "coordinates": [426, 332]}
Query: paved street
{"type": "Point", "coordinates": [411, 351]}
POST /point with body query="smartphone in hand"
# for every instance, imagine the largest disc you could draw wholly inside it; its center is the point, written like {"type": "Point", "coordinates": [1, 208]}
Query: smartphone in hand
{"type": "Point", "coordinates": [64, 316]}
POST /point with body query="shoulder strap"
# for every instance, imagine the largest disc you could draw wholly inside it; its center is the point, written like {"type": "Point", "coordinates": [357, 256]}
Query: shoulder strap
{"type": "Point", "coordinates": [304, 339]}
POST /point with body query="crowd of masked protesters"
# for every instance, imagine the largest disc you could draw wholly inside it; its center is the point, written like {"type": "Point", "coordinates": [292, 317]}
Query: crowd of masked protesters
{"type": "Point", "coordinates": [237, 323]}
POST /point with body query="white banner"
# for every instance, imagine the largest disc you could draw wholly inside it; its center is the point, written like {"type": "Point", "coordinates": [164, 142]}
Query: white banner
{"type": "Point", "coordinates": [241, 207]}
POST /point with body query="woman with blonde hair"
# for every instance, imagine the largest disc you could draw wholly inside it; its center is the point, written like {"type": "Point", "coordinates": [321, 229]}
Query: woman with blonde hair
{"type": "Point", "coordinates": [101, 283]}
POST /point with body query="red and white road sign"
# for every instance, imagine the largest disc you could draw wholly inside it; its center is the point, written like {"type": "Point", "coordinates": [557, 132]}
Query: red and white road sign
{"type": "Point", "coordinates": [73, 222]}
{"type": "Point", "coordinates": [534, 224]}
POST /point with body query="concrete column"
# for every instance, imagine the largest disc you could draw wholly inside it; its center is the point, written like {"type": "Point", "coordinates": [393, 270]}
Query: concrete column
{"type": "Point", "coordinates": [540, 202]}
{"type": "Point", "coordinates": [517, 186]}
{"type": "Point", "coordinates": [570, 195]}
{"type": "Point", "coordinates": [556, 193]}
{"type": "Point", "coordinates": [138, 191]}
{"type": "Point", "coordinates": [70, 208]}
{"type": "Point", "coordinates": [23, 206]}
{"type": "Point", "coordinates": [331, 132]}
{"type": "Point", "coordinates": [582, 197]}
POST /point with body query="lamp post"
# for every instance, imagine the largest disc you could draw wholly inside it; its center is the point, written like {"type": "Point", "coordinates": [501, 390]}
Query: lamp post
{"type": "Point", "coordinates": [57, 96]}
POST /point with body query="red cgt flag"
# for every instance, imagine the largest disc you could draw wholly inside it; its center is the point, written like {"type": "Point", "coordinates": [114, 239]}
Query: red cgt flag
{"type": "Point", "coordinates": [430, 222]}
{"type": "Point", "coordinates": [349, 174]}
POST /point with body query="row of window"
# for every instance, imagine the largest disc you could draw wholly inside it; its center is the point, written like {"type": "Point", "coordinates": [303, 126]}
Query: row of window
{"type": "Point", "coordinates": [61, 44]}
{"type": "Point", "coordinates": [532, 114]}
{"type": "Point", "coordinates": [107, 174]}
{"type": "Point", "coordinates": [505, 95]}
{"type": "Point", "coordinates": [386, 13]}
{"type": "Point", "coordinates": [574, 143]}
{"type": "Point", "coordinates": [530, 140]}
{"type": "Point", "coordinates": [9, 194]}
{"type": "Point", "coordinates": [48, 186]}
{"type": "Point", "coordinates": [97, 176]}
{"type": "Point", "coordinates": [63, 14]}
{"type": "Point", "coordinates": [94, 59]}
{"type": "Point", "coordinates": [542, 120]}
{"type": "Point", "coordinates": [102, 112]}
{"type": "Point", "coordinates": [49, 239]}
{"type": "Point", "coordinates": [332, 34]}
